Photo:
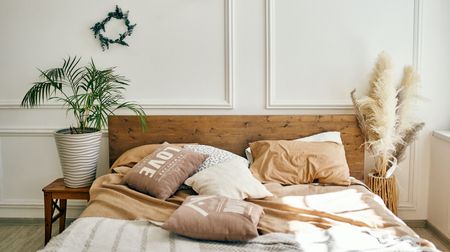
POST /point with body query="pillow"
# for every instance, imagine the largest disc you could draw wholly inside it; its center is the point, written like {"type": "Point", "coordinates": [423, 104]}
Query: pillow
{"type": "Point", "coordinates": [329, 136]}
{"type": "Point", "coordinates": [120, 169]}
{"type": "Point", "coordinates": [215, 218]}
{"type": "Point", "coordinates": [162, 172]}
{"type": "Point", "coordinates": [296, 162]}
{"type": "Point", "coordinates": [132, 156]}
{"type": "Point", "coordinates": [215, 155]}
{"type": "Point", "coordinates": [230, 179]}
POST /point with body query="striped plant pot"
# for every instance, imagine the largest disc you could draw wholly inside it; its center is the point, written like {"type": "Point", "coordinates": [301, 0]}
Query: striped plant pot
{"type": "Point", "coordinates": [79, 155]}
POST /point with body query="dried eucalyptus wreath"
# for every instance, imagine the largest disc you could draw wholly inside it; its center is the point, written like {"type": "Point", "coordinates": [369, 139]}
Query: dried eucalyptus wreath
{"type": "Point", "coordinates": [100, 26]}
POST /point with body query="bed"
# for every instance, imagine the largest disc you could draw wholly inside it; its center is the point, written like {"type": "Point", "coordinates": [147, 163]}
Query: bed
{"type": "Point", "coordinates": [303, 217]}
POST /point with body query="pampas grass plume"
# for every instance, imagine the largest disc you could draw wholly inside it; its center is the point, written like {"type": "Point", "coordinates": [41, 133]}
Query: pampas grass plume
{"type": "Point", "coordinates": [384, 115]}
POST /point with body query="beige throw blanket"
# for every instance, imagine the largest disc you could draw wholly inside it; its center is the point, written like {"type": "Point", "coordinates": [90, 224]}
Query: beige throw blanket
{"type": "Point", "coordinates": [288, 211]}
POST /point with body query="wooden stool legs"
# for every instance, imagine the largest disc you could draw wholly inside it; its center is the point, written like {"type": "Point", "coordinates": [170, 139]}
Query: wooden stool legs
{"type": "Point", "coordinates": [48, 216]}
{"type": "Point", "coordinates": [62, 220]}
{"type": "Point", "coordinates": [56, 195]}
{"type": "Point", "coordinates": [50, 205]}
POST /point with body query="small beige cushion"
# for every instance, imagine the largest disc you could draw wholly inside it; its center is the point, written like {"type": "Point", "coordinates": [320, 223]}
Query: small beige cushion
{"type": "Point", "coordinates": [294, 162]}
{"type": "Point", "coordinates": [231, 179]}
{"type": "Point", "coordinates": [162, 172]}
{"type": "Point", "coordinates": [215, 218]}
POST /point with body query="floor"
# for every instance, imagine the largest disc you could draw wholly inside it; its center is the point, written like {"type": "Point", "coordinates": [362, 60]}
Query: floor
{"type": "Point", "coordinates": [427, 234]}
{"type": "Point", "coordinates": [30, 237]}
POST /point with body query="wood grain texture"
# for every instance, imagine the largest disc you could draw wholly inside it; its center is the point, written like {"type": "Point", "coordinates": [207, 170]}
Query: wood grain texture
{"type": "Point", "coordinates": [234, 132]}
{"type": "Point", "coordinates": [58, 187]}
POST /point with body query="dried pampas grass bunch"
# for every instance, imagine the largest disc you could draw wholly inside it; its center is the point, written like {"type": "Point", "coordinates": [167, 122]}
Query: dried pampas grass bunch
{"type": "Point", "coordinates": [385, 114]}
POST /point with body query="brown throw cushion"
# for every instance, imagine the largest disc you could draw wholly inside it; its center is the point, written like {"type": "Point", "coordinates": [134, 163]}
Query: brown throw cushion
{"type": "Point", "coordinates": [293, 162]}
{"type": "Point", "coordinates": [132, 156]}
{"type": "Point", "coordinates": [162, 172]}
{"type": "Point", "coordinates": [215, 218]}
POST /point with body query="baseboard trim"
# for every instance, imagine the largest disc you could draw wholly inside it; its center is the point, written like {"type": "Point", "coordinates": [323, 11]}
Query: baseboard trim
{"type": "Point", "coordinates": [28, 221]}
{"type": "Point", "coordinates": [441, 236]}
{"type": "Point", "coordinates": [416, 223]}
{"type": "Point", "coordinates": [35, 209]}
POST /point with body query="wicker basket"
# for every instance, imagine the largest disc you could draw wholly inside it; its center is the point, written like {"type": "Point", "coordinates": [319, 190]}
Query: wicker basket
{"type": "Point", "coordinates": [386, 188]}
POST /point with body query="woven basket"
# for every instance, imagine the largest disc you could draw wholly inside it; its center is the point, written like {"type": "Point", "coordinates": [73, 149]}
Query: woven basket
{"type": "Point", "coordinates": [386, 188]}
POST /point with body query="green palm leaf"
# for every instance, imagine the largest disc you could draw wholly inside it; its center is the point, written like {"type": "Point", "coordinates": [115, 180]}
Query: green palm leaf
{"type": "Point", "coordinates": [90, 93]}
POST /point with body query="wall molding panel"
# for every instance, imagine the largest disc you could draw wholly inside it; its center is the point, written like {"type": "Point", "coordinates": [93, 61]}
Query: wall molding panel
{"type": "Point", "coordinates": [228, 101]}
{"type": "Point", "coordinates": [271, 100]}
{"type": "Point", "coordinates": [411, 203]}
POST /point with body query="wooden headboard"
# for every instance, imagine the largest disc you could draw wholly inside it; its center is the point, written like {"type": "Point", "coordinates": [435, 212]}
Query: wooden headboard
{"type": "Point", "coordinates": [234, 132]}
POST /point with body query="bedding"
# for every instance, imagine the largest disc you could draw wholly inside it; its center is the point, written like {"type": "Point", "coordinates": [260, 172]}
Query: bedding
{"type": "Point", "coordinates": [216, 218]}
{"type": "Point", "coordinates": [308, 217]}
{"type": "Point", "coordinates": [297, 162]}
{"type": "Point", "coordinates": [162, 172]}
{"type": "Point", "coordinates": [328, 136]}
{"type": "Point", "coordinates": [105, 234]}
{"type": "Point", "coordinates": [231, 179]}
{"type": "Point", "coordinates": [215, 155]}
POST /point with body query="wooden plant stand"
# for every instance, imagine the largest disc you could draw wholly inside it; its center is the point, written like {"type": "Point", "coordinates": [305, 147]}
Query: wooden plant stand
{"type": "Point", "coordinates": [56, 195]}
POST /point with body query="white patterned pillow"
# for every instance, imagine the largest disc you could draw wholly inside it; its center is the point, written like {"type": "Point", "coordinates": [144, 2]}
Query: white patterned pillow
{"type": "Point", "coordinates": [215, 156]}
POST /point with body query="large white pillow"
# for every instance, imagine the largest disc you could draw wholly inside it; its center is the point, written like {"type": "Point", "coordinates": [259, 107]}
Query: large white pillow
{"type": "Point", "coordinates": [230, 179]}
{"type": "Point", "coordinates": [329, 136]}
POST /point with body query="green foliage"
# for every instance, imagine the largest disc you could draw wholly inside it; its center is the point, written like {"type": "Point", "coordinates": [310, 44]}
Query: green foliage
{"type": "Point", "coordinates": [91, 94]}
{"type": "Point", "coordinates": [100, 26]}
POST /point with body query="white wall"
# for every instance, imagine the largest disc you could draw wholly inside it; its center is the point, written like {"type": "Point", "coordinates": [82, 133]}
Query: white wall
{"type": "Point", "coordinates": [436, 62]}
{"type": "Point", "coordinates": [212, 57]}
{"type": "Point", "coordinates": [439, 200]}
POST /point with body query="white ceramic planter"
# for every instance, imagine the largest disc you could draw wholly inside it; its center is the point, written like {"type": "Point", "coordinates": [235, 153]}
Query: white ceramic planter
{"type": "Point", "coordinates": [79, 155]}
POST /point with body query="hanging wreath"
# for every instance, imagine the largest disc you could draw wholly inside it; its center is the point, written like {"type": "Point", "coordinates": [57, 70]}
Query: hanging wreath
{"type": "Point", "coordinates": [100, 26]}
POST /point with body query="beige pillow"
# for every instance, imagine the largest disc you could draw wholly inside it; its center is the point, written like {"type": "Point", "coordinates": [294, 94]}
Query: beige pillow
{"type": "Point", "coordinates": [294, 162]}
{"type": "Point", "coordinates": [215, 218]}
{"type": "Point", "coordinates": [162, 172]}
{"type": "Point", "coordinates": [132, 156]}
{"type": "Point", "coordinates": [120, 169]}
{"type": "Point", "coordinates": [327, 136]}
{"type": "Point", "coordinates": [230, 179]}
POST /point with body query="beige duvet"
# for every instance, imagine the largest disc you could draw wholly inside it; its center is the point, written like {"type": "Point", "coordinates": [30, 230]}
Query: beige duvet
{"type": "Point", "coordinates": [293, 209]}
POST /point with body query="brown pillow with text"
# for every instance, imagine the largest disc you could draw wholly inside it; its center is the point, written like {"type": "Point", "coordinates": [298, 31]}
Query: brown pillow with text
{"type": "Point", "coordinates": [132, 156]}
{"type": "Point", "coordinates": [162, 172]}
{"type": "Point", "coordinates": [215, 218]}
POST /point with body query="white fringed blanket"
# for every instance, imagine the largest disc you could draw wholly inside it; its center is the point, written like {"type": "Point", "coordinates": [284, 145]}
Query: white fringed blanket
{"type": "Point", "coordinates": [105, 234]}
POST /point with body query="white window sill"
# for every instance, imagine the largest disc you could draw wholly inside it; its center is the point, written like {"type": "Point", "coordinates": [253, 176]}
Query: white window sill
{"type": "Point", "coordinates": [442, 134]}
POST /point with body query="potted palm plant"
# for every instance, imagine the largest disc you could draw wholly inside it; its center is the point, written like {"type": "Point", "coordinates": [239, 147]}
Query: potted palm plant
{"type": "Point", "coordinates": [90, 94]}
{"type": "Point", "coordinates": [388, 124]}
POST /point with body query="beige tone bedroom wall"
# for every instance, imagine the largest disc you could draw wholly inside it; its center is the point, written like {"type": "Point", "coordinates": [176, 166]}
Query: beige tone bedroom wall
{"type": "Point", "coordinates": [212, 57]}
